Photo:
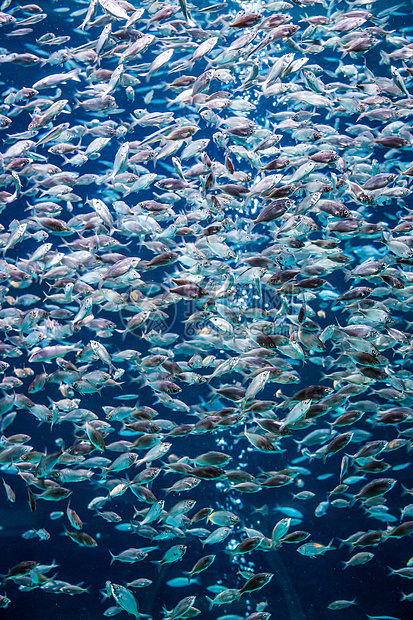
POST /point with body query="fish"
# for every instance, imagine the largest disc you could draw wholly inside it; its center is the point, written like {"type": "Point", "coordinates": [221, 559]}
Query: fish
{"type": "Point", "coordinates": [206, 283]}
{"type": "Point", "coordinates": [123, 597]}
{"type": "Point", "coordinates": [341, 604]}
{"type": "Point", "coordinates": [314, 549]}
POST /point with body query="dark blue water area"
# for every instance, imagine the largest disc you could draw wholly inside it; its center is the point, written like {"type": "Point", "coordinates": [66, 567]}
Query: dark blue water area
{"type": "Point", "coordinates": [302, 587]}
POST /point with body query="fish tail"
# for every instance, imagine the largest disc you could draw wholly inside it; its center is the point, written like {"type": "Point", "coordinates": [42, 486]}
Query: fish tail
{"type": "Point", "coordinates": [74, 74]}
{"type": "Point", "coordinates": [384, 58]}
{"type": "Point", "coordinates": [352, 502]}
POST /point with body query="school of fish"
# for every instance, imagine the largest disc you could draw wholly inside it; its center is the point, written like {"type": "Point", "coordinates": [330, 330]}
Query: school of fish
{"type": "Point", "coordinates": [206, 280]}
